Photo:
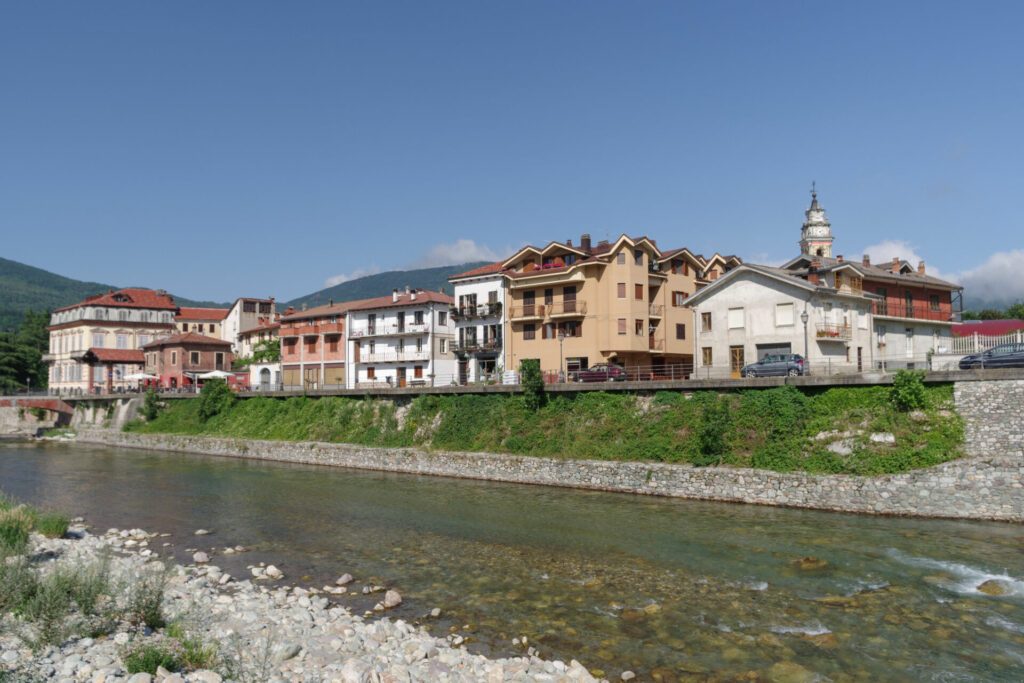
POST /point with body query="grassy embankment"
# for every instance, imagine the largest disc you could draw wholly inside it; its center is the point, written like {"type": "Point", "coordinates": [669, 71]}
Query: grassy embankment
{"type": "Point", "coordinates": [764, 428]}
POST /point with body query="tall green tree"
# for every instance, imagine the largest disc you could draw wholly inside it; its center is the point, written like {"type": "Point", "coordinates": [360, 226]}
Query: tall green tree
{"type": "Point", "coordinates": [21, 353]}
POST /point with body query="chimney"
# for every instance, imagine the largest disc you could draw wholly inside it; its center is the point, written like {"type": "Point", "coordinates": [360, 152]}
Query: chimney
{"type": "Point", "coordinates": [815, 264]}
{"type": "Point", "coordinates": [839, 258]}
{"type": "Point", "coordinates": [290, 310]}
{"type": "Point", "coordinates": [920, 267]}
{"type": "Point", "coordinates": [394, 295]}
{"type": "Point", "coordinates": [412, 295]}
{"type": "Point", "coordinates": [330, 302]}
{"type": "Point", "coordinates": [585, 241]}
{"type": "Point", "coordinates": [407, 289]}
{"type": "Point", "coordinates": [866, 260]}
{"type": "Point", "coordinates": [303, 305]}
{"type": "Point", "coordinates": [814, 278]}
{"type": "Point", "coordinates": [568, 243]}
{"type": "Point", "coordinates": [895, 268]}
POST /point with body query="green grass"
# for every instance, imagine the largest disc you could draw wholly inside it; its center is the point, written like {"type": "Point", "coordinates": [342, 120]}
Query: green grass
{"type": "Point", "coordinates": [148, 657]}
{"type": "Point", "coordinates": [763, 428]}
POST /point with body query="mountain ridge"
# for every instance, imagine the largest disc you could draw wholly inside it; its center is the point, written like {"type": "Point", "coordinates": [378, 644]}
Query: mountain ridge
{"type": "Point", "coordinates": [381, 284]}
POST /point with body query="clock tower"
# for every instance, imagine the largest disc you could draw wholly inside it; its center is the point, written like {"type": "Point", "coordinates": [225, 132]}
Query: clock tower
{"type": "Point", "coordinates": [816, 233]}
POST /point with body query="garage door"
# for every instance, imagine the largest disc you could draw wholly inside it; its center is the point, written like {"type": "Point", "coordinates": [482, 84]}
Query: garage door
{"type": "Point", "coordinates": [772, 349]}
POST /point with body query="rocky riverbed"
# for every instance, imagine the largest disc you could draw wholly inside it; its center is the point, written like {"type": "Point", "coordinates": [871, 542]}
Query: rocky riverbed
{"type": "Point", "coordinates": [253, 628]}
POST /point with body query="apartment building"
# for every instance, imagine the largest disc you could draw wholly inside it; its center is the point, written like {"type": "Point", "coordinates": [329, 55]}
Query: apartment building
{"type": "Point", "coordinates": [622, 301]}
{"type": "Point", "coordinates": [244, 314]}
{"type": "Point", "coordinates": [753, 311]}
{"type": "Point", "coordinates": [405, 339]}
{"type": "Point", "coordinates": [313, 347]}
{"type": "Point", "coordinates": [97, 342]}
{"type": "Point", "coordinates": [178, 360]}
{"type": "Point", "coordinates": [478, 312]}
{"type": "Point", "coordinates": [205, 321]}
{"type": "Point", "coordinates": [267, 329]}
{"type": "Point", "coordinates": [913, 312]}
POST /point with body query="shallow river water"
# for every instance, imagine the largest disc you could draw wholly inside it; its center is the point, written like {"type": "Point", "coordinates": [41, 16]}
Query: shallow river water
{"type": "Point", "coordinates": [670, 589]}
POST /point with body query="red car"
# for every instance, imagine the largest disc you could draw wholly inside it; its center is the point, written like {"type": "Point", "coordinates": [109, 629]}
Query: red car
{"type": "Point", "coordinates": [603, 372]}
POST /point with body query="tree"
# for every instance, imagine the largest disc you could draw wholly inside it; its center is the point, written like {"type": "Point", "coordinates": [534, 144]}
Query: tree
{"type": "Point", "coordinates": [1016, 311]}
{"type": "Point", "coordinates": [533, 384]}
{"type": "Point", "coordinates": [21, 353]}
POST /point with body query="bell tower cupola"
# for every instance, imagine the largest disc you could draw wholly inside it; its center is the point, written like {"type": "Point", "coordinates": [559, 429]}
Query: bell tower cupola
{"type": "Point", "coordinates": [816, 233]}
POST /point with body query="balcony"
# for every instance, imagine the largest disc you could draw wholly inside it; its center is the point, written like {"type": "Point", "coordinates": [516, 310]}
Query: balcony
{"type": "Point", "coordinates": [825, 332]}
{"type": "Point", "coordinates": [567, 309]}
{"type": "Point", "coordinates": [655, 344]}
{"type": "Point", "coordinates": [389, 330]}
{"type": "Point", "coordinates": [477, 311]}
{"type": "Point", "coordinates": [527, 312]}
{"type": "Point", "coordinates": [923, 311]}
{"type": "Point", "coordinates": [394, 356]}
{"type": "Point", "coordinates": [656, 310]}
{"type": "Point", "coordinates": [475, 347]}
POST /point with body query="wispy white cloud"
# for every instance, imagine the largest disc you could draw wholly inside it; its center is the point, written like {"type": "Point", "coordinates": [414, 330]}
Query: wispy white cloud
{"type": "Point", "coordinates": [459, 251]}
{"type": "Point", "coordinates": [998, 281]}
{"type": "Point", "coordinates": [886, 250]}
{"type": "Point", "coordinates": [345, 277]}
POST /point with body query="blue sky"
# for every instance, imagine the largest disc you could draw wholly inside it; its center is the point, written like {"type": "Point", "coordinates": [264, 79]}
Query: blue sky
{"type": "Point", "coordinates": [225, 149]}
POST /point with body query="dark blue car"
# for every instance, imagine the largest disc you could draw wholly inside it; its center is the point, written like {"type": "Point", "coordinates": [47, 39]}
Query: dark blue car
{"type": "Point", "coordinates": [1002, 356]}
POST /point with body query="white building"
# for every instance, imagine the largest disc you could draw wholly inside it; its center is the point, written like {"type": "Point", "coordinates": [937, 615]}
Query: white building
{"type": "Point", "coordinates": [265, 376]}
{"type": "Point", "coordinates": [479, 313]}
{"type": "Point", "coordinates": [400, 340]}
{"type": "Point", "coordinates": [245, 314]}
{"type": "Point", "coordinates": [753, 311]}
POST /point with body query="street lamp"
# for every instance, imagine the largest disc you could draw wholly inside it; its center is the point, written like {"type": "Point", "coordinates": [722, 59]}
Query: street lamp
{"type": "Point", "coordinates": [561, 340]}
{"type": "Point", "coordinates": [804, 318]}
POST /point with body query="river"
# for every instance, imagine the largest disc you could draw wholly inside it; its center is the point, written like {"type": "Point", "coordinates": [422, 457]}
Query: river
{"type": "Point", "coordinates": [670, 589]}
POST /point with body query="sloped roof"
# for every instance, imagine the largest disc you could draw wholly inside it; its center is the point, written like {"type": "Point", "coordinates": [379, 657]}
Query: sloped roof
{"type": "Point", "coordinates": [186, 339]}
{"type": "Point", "coordinates": [782, 275]}
{"type": "Point", "coordinates": [991, 328]}
{"type": "Point", "coordinates": [188, 313]}
{"type": "Point", "coordinates": [422, 297]}
{"type": "Point", "coordinates": [132, 297]}
{"type": "Point", "coordinates": [874, 271]}
{"type": "Point", "coordinates": [489, 269]}
{"type": "Point", "coordinates": [116, 355]}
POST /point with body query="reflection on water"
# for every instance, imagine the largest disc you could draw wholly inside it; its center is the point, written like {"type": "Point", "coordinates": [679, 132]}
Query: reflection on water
{"type": "Point", "coordinates": [674, 590]}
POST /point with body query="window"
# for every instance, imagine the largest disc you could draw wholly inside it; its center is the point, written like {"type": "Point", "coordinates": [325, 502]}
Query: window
{"type": "Point", "coordinates": [638, 327]}
{"type": "Point", "coordinates": [218, 360]}
{"type": "Point", "coordinates": [401, 345]}
{"type": "Point", "coordinates": [572, 328]}
{"type": "Point", "coordinates": [184, 327]}
{"type": "Point", "coordinates": [492, 297]}
{"type": "Point", "coordinates": [705, 322]}
{"type": "Point", "coordinates": [549, 297]}
{"type": "Point", "coordinates": [622, 290]}
{"type": "Point", "coordinates": [248, 306]}
{"type": "Point", "coordinates": [122, 315]}
{"type": "Point", "coordinates": [373, 346]}
{"type": "Point", "coordinates": [547, 331]}
{"type": "Point", "coordinates": [122, 341]}
{"type": "Point", "coordinates": [174, 357]}
{"type": "Point", "coordinates": [310, 344]}
{"type": "Point", "coordinates": [419, 344]}
{"type": "Point", "coordinates": [933, 302]}
{"type": "Point", "coordinates": [265, 308]}
{"type": "Point", "coordinates": [97, 339]}
{"type": "Point", "coordinates": [417, 317]}
{"type": "Point", "coordinates": [706, 358]}
{"type": "Point", "coordinates": [880, 330]}
{"type": "Point", "coordinates": [783, 315]}
{"type": "Point", "coordinates": [442, 318]}
{"type": "Point", "coordinates": [620, 258]}
{"type": "Point", "coordinates": [680, 331]}
{"type": "Point", "coordinates": [679, 299]}
{"type": "Point", "coordinates": [735, 318]}
{"type": "Point", "coordinates": [371, 372]}
{"type": "Point", "coordinates": [622, 326]}
{"type": "Point", "coordinates": [417, 371]}
{"type": "Point", "coordinates": [289, 345]}
{"type": "Point", "coordinates": [638, 257]}
{"type": "Point", "coordinates": [332, 343]}
{"type": "Point", "coordinates": [444, 346]}
{"type": "Point", "coordinates": [638, 292]}
{"type": "Point", "coordinates": [193, 357]}
{"type": "Point", "coordinates": [570, 259]}
{"type": "Point", "coordinates": [529, 331]}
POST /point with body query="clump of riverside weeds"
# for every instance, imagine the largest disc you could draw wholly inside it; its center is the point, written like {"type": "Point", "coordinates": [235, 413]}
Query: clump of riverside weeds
{"type": "Point", "coordinates": [15, 525]}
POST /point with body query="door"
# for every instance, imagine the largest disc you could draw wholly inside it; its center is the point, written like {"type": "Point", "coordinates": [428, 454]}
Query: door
{"type": "Point", "coordinates": [860, 359]}
{"type": "Point", "coordinates": [401, 321]}
{"type": "Point", "coordinates": [529, 303]}
{"type": "Point", "coordinates": [265, 379]}
{"type": "Point", "coordinates": [463, 372]}
{"type": "Point", "coordinates": [401, 377]}
{"type": "Point", "coordinates": [735, 361]}
{"type": "Point", "coordinates": [311, 378]}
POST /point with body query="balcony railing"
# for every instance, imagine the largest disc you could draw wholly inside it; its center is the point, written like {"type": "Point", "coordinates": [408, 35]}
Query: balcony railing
{"type": "Point", "coordinates": [389, 330]}
{"type": "Point", "coordinates": [478, 311]}
{"type": "Point", "coordinates": [490, 345]}
{"type": "Point", "coordinates": [553, 310]}
{"type": "Point", "coordinates": [656, 310]}
{"type": "Point", "coordinates": [831, 332]}
{"type": "Point", "coordinates": [394, 357]}
{"type": "Point", "coordinates": [655, 344]}
{"type": "Point", "coordinates": [567, 308]}
{"type": "Point", "coordinates": [527, 311]}
{"type": "Point", "coordinates": [923, 311]}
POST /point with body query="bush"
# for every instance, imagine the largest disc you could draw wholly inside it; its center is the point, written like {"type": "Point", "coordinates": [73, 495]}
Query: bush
{"type": "Point", "coordinates": [714, 424]}
{"type": "Point", "coordinates": [908, 391]}
{"type": "Point", "coordinates": [15, 525]}
{"type": "Point", "coordinates": [148, 657]}
{"type": "Point", "coordinates": [533, 384]}
{"type": "Point", "coordinates": [146, 601]}
{"type": "Point", "coordinates": [194, 654]}
{"type": "Point", "coordinates": [215, 398]}
{"type": "Point", "coordinates": [150, 405]}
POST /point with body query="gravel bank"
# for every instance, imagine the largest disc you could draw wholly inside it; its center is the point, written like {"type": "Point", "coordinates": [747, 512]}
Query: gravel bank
{"type": "Point", "coordinates": [263, 630]}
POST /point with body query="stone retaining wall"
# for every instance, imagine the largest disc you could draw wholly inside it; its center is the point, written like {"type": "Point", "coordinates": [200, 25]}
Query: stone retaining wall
{"type": "Point", "coordinates": [993, 413]}
{"type": "Point", "coordinates": [987, 487]}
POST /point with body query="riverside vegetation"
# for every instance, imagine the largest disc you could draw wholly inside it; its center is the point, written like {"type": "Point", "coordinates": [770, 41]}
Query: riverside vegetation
{"type": "Point", "coordinates": [856, 430]}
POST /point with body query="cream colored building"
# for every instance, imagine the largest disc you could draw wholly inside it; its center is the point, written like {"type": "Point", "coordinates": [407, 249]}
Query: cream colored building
{"type": "Point", "coordinates": [206, 321]}
{"type": "Point", "coordinates": [573, 306]}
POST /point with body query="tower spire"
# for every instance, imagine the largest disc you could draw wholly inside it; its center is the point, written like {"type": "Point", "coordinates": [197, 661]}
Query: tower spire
{"type": "Point", "coordinates": [816, 233]}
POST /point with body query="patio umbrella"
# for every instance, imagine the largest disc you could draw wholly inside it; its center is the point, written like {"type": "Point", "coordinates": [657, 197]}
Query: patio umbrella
{"type": "Point", "coordinates": [215, 374]}
{"type": "Point", "coordinates": [139, 376]}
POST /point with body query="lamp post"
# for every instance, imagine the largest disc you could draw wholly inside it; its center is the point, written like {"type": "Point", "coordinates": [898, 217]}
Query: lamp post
{"type": "Point", "coordinates": [804, 318]}
{"type": "Point", "coordinates": [561, 340]}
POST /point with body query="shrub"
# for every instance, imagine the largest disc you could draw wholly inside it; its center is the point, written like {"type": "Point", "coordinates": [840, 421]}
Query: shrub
{"type": "Point", "coordinates": [148, 657]}
{"type": "Point", "coordinates": [714, 424]}
{"type": "Point", "coordinates": [194, 653]}
{"type": "Point", "coordinates": [146, 601]}
{"type": "Point", "coordinates": [215, 398]}
{"type": "Point", "coordinates": [908, 391]}
{"type": "Point", "coordinates": [150, 405]}
{"type": "Point", "coordinates": [18, 583]}
{"type": "Point", "coordinates": [533, 384]}
{"type": "Point", "coordinates": [15, 525]}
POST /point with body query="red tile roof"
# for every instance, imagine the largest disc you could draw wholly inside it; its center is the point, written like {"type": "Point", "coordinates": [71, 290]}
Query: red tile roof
{"type": "Point", "coordinates": [991, 328]}
{"type": "Point", "coordinates": [117, 355]}
{"type": "Point", "coordinates": [489, 269]}
{"type": "Point", "coordinates": [133, 297]}
{"type": "Point", "coordinates": [186, 339]}
{"type": "Point", "coordinates": [201, 313]}
{"type": "Point", "coordinates": [263, 325]}
{"type": "Point", "coordinates": [422, 297]}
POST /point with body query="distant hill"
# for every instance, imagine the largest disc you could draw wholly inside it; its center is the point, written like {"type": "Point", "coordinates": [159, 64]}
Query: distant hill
{"type": "Point", "coordinates": [24, 288]}
{"type": "Point", "coordinates": [381, 284]}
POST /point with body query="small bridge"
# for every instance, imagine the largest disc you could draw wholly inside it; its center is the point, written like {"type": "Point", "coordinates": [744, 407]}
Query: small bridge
{"type": "Point", "coordinates": [52, 404]}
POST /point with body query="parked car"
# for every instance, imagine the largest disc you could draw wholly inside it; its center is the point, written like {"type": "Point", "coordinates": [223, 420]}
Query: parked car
{"type": "Point", "coordinates": [776, 365]}
{"type": "Point", "coordinates": [602, 372]}
{"type": "Point", "coordinates": [1002, 356]}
